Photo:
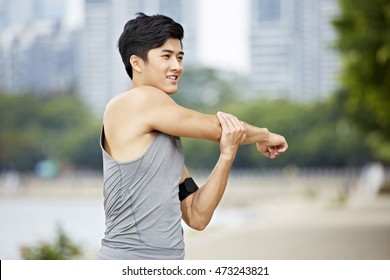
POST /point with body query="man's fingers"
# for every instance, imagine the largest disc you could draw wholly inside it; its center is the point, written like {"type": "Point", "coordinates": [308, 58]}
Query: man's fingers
{"type": "Point", "coordinates": [235, 122]}
{"type": "Point", "coordinates": [228, 120]}
{"type": "Point", "coordinates": [274, 151]}
{"type": "Point", "coordinates": [222, 120]}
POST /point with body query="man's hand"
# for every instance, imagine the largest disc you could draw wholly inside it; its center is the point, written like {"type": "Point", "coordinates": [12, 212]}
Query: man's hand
{"type": "Point", "coordinates": [198, 208]}
{"type": "Point", "coordinates": [233, 133]}
{"type": "Point", "coordinates": [273, 146]}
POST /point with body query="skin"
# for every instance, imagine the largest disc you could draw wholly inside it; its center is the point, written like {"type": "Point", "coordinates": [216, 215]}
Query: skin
{"type": "Point", "coordinates": [132, 118]}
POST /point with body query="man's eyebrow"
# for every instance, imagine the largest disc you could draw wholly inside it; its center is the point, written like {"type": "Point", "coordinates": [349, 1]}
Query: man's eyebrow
{"type": "Point", "coordinates": [170, 51]}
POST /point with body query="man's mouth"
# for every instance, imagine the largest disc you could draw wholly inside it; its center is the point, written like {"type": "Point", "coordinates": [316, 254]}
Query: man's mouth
{"type": "Point", "coordinates": [172, 77]}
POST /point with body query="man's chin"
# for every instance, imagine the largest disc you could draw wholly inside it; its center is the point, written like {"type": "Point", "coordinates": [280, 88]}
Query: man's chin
{"type": "Point", "coordinates": [171, 91]}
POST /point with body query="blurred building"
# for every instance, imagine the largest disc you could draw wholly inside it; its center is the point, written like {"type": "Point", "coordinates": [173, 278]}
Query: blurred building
{"type": "Point", "coordinates": [291, 54]}
{"type": "Point", "coordinates": [40, 53]}
{"type": "Point", "coordinates": [102, 74]}
{"type": "Point", "coordinates": [290, 42]}
{"type": "Point", "coordinates": [13, 12]}
{"type": "Point", "coordinates": [36, 48]}
{"type": "Point", "coordinates": [37, 57]}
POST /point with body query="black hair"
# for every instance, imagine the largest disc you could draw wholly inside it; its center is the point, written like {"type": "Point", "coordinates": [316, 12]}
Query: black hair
{"type": "Point", "coordinates": [145, 33]}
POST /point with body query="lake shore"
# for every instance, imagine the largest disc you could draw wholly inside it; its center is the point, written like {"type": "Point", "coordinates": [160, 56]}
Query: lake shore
{"type": "Point", "coordinates": [260, 217]}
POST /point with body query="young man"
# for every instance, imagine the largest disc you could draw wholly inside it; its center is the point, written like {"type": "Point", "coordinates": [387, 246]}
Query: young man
{"type": "Point", "coordinates": [147, 187]}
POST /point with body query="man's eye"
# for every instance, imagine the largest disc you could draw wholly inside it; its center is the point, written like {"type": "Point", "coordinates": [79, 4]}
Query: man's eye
{"type": "Point", "coordinates": [180, 58]}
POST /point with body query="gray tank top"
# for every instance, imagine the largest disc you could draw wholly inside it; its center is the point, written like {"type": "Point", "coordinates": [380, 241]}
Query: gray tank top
{"type": "Point", "coordinates": [141, 203]}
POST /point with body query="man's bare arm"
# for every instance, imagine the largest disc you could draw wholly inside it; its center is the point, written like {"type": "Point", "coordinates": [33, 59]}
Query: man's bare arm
{"type": "Point", "coordinates": [162, 113]}
{"type": "Point", "coordinates": [199, 207]}
{"type": "Point", "coordinates": [167, 116]}
{"type": "Point", "coordinates": [155, 110]}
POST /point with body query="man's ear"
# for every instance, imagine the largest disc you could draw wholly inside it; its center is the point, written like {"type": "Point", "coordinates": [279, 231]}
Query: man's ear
{"type": "Point", "coordinates": [136, 63]}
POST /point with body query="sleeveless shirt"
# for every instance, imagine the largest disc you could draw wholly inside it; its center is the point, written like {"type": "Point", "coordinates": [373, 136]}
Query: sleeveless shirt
{"type": "Point", "coordinates": [141, 203]}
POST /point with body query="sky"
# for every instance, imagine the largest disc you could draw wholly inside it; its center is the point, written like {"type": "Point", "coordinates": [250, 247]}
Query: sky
{"type": "Point", "coordinates": [223, 32]}
{"type": "Point", "coordinates": [74, 12]}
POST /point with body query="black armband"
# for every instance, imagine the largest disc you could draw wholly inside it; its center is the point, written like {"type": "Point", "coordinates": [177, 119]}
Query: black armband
{"type": "Point", "coordinates": [187, 188]}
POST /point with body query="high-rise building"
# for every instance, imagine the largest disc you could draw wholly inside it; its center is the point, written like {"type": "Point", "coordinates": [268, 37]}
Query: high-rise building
{"type": "Point", "coordinates": [100, 72]}
{"type": "Point", "coordinates": [14, 12]}
{"type": "Point", "coordinates": [290, 48]}
{"type": "Point", "coordinates": [37, 57]}
{"type": "Point", "coordinates": [36, 47]}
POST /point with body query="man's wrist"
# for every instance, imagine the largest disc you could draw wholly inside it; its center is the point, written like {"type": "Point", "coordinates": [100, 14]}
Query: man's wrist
{"type": "Point", "coordinates": [264, 136]}
{"type": "Point", "coordinates": [227, 158]}
{"type": "Point", "coordinates": [256, 134]}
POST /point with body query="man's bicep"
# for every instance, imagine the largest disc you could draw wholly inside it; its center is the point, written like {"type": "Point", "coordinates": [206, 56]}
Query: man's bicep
{"type": "Point", "coordinates": [168, 117]}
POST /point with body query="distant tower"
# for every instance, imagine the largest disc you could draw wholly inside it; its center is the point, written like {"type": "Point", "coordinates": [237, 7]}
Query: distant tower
{"type": "Point", "coordinates": [101, 72]}
{"type": "Point", "coordinates": [290, 48]}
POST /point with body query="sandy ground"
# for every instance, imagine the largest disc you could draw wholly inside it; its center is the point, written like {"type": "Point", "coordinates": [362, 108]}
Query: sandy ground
{"type": "Point", "coordinates": [272, 218]}
{"type": "Point", "coordinates": [353, 233]}
{"type": "Point", "coordinates": [296, 223]}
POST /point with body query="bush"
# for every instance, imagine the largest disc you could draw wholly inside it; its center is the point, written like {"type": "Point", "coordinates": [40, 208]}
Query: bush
{"type": "Point", "coordinates": [62, 249]}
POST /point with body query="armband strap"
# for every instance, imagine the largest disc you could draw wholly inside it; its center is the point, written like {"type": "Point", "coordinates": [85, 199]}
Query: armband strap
{"type": "Point", "coordinates": [187, 188]}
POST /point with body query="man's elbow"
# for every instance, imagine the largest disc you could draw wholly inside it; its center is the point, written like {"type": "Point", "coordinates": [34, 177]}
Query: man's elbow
{"type": "Point", "coordinates": [198, 226]}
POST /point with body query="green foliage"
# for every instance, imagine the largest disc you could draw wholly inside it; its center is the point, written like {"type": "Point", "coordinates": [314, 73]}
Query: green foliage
{"type": "Point", "coordinates": [61, 129]}
{"type": "Point", "coordinates": [363, 29]}
{"type": "Point", "coordinates": [62, 249]}
{"type": "Point", "coordinates": [19, 133]}
{"type": "Point", "coordinates": [209, 88]}
{"type": "Point", "coordinates": [58, 128]}
{"type": "Point", "coordinates": [317, 133]}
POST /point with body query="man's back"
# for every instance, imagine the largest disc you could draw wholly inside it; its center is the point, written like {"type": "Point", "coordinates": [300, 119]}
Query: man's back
{"type": "Point", "coordinates": [126, 137]}
{"type": "Point", "coordinates": [141, 203]}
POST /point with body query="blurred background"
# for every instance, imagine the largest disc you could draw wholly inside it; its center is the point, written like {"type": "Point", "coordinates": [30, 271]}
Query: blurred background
{"type": "Point", "coordinates": [315, 71]}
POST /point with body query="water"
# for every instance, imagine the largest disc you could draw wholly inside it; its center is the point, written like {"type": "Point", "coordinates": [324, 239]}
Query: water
{"type": "Point", "coordinates": [30, 220]}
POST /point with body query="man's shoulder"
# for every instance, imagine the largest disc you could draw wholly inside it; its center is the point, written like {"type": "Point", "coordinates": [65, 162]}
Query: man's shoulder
{"type": "Point", "coordinates": [138, 99]}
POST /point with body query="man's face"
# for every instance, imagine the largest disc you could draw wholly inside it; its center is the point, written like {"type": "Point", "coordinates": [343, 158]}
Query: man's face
{"type": "Point", "coordinates": [164, 66]}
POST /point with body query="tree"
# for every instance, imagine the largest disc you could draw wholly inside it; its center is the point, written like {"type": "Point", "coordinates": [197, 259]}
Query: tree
{"type": "Point", "coordinates": [363, 39]}
{"type": "Point", "coordinates": [209, 88]}
{"type": "Point", "coordinates": [317, 134]}
{"type": "Point", "coordinates": [20, 134]}
{"type": "Point", "coordinates": [59, 128]}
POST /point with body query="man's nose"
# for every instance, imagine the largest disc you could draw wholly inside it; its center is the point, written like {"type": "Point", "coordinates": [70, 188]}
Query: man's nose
{"type": "Point", "coordinates": [176, 65]}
